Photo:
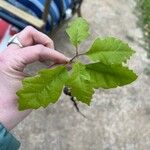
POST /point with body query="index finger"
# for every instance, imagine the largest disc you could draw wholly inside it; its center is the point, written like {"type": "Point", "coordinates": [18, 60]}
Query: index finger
{"type": "Point", "coordinates": [29, 36]}
{"type": "Point", "coordinates": [34, 53]}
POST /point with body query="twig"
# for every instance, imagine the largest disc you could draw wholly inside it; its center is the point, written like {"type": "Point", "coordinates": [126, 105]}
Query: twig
{"type": "Point", "coordinates": [71, 60]}
{"type": "Point", "coordinates": [52, 65]}
{"type": "Point", "coordinates": [68, 92]}
{"type": "Point", "coordinates": [77, 108]}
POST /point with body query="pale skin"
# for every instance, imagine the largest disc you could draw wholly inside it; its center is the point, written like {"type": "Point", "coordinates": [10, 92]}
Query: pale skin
{"type": "Point", "coordinates": [36, 46]}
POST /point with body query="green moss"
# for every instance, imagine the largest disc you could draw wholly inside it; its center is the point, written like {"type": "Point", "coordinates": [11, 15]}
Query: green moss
{"type": "Point", "coordinates": [143, 7]}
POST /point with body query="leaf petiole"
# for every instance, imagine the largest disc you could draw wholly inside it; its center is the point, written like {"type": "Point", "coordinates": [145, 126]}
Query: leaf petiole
{"type": "Point", "coordinates": [74, 57]}
{"type": "Point", "coordinates": [77, 51]}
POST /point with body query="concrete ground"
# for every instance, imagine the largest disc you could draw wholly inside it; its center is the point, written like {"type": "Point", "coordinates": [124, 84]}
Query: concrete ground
{"type": "Point", "coordinates": [118, 119]}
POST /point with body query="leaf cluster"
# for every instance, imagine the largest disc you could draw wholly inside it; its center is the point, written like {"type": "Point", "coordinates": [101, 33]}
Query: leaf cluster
{"type": "Point", "coordinates": [107, 69]}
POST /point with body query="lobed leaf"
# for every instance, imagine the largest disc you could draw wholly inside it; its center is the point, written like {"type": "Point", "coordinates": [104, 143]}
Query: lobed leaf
{"type": "Point", "coordinates": [109, 51]}
{"type": "Point", "coordinates": [79, 83]}
{"type": "Point", "coordinates": [109, 76]}
{"type": "Point", "coordinates": [78, 31]}
{"type": "Point", "coordinates": [42, 89]}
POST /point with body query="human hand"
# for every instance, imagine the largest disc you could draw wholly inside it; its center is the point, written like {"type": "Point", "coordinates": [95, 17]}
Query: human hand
{"type": "Point", "coordinates": [36, 46]}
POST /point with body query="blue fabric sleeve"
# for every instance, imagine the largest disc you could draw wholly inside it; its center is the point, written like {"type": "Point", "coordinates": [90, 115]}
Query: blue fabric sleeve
{"type": "Point", "coordinates": [7, 140]}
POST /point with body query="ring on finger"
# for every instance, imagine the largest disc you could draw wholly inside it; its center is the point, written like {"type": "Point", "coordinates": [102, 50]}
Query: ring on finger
{"type": "Point", "coordinates": [15, 40]}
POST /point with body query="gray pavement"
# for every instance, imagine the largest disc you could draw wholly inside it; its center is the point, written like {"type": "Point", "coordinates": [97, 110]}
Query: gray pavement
{"type": "Point", "coordinates": [118, 119]}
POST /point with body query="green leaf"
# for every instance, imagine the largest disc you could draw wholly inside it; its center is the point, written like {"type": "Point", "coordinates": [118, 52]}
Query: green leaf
{"type": "Point", "coordinates": [78, 31]}
{"type": "Point", "coordinates": [107, 72]}
{"type": "Point", "coordinates": [109, 51]}
{"type": "Point", "coordinates": [109, 76]}
{"type": "Point", "coordinates": [42, 89]}
{"type": "Point", "coordinates": [79, 83]}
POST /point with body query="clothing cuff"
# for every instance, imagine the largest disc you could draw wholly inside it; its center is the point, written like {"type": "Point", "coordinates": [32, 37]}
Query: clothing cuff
{"type": "Point", "coordinates": [7, 140]}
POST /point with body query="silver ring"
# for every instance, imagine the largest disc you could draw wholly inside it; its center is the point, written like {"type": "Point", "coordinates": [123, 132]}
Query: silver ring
{"type": "Point", "coordinates": [15, 40]}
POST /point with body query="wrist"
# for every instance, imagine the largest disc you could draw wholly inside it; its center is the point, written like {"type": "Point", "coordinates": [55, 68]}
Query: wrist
{"type": "Point", "coordinates": [11, 117]}
{"type": "Point", "coordinates": [7, 118]}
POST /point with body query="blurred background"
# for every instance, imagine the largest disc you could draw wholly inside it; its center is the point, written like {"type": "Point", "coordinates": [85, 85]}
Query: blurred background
{"type": "Point", "coordinates": [118, 119]}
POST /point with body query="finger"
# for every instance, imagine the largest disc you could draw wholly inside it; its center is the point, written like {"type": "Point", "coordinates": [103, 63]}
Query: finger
{"type": "Point", "coordinates": [34, 53]}
{"type": "Point", "coordinates": [29, 36]}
